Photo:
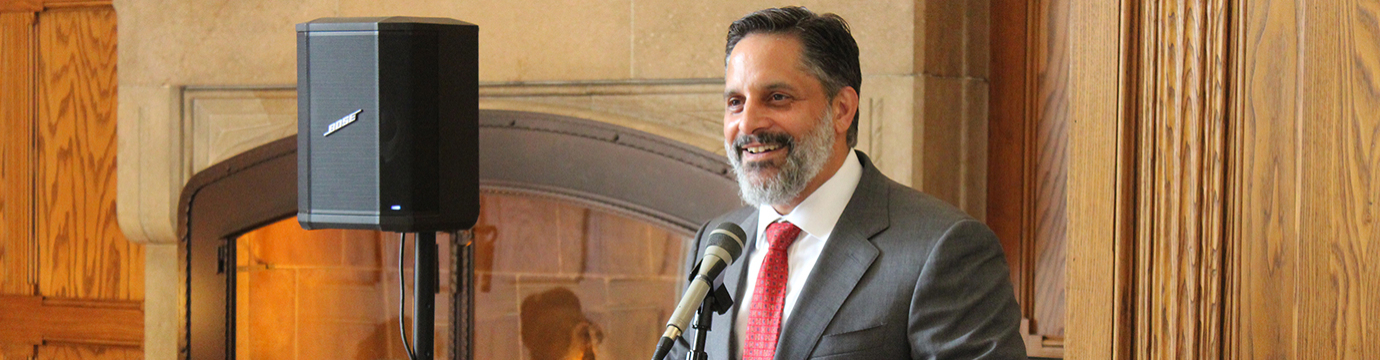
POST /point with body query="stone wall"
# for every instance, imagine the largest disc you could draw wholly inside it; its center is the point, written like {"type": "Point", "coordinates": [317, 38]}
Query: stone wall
{"type": "Point", "coordinates": [200, 80]}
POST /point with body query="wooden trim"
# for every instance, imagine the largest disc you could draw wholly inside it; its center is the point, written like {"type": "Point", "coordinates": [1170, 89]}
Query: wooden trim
{"type": "Point", "coordinates": [1095, 84]}
{"type": "Point", "coordinates": [21, 5]}
{"type": "Point", "coordinates": [69, 4]}
{"type": "Point", "coordinates": [37, 320]}
{"type": "Point", "coordinates": [1233, 216]}
{"type": "Point", "coordinates": [1016, 143]}
{"type": "Point", "coordinates": [1124, 277]}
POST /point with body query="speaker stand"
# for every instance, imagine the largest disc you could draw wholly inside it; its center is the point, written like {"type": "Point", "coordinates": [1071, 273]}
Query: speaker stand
{"type": "Point", "coordinates": [426, 283]}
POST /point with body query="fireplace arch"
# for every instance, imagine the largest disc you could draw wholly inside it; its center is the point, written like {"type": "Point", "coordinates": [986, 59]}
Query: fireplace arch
{"type": "Point", "coordinates": [604, 166]}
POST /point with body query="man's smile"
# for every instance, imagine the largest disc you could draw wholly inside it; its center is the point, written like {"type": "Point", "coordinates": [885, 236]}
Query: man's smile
{"type": "Point", "coordinates": [761, 154]}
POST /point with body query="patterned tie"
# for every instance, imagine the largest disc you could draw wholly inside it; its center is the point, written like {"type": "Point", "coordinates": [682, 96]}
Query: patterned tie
{"type": "Point", "coordinates": [769, 297]}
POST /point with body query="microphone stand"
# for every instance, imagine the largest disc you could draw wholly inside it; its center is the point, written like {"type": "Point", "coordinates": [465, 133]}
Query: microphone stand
{"type": "Point", "coordinates": [702, 325]}
{"type": "Point", "coordinates": [717, 301]}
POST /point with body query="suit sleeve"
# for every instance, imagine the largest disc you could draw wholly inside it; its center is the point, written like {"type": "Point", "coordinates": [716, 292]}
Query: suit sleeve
{"type": "Point", "coordinates": [682, 347]}
{"type": "Point", "coordinates": [964, 306]}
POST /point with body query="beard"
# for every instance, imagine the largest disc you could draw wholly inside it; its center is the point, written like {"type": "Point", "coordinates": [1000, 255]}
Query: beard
{"type": "Point", "coordinates": [805, 158]}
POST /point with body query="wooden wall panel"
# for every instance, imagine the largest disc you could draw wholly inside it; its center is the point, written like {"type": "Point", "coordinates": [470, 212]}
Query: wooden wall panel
{"type": "Point", "coordinates": [35, 320]}
{"type": "Point", "coordinates": [1265, 176]}
{"type": "Point", "coordinates": [1027, 172]}
{"type": "Point", "coordinates": [16, 153]}
{"type": "Point", "coordinates": [1049, 165]}
{"type": "Point", "coordinates": [1006, 135]}
{"type": "Point", "coordinates": [16, 351]}
{"type": "Point", "coordinates": [79, 352]}
{"type": "Point", "coordinates": [85, 255]}
{"type": "Point", "coordinates": [1095, 170]}
{"type": "Point", "coordinates": [21, 6]}
{"type": "Point", "coordinates": [1339, 178]}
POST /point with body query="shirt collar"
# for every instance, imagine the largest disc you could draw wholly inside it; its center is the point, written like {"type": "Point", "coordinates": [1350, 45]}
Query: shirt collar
{"type": "Point", "coordinates": [820, 211]}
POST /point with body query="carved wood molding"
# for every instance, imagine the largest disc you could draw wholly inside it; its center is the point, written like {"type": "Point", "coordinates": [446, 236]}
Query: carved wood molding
{"type": "Point", "coordinates": [1170, 290]}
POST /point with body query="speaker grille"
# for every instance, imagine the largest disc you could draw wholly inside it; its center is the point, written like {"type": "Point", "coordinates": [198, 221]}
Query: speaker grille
{"type": "Point", "coordinates": [344, 165]}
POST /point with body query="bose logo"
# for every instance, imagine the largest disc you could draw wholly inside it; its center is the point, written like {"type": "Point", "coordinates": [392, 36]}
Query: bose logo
{"type": "Point", "coordinates": [339, 124]}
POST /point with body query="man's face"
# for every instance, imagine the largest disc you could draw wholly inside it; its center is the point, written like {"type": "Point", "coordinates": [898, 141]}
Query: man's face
{"type": "Point", "coordinates": [778, 127]}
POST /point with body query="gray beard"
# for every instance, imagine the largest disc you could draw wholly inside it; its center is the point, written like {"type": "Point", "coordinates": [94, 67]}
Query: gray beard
{"type": "Point", "coordinates": [805, 160]}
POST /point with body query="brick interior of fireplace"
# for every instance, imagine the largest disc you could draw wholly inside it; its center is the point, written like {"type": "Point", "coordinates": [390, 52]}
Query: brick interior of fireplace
{"type": "Point", "coordinates": [554, 280]}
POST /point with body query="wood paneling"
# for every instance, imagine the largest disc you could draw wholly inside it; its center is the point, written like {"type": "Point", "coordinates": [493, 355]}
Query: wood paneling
{"type": "Point", "coordinates": [1049, 165]}
{"type": "Point", "coordinates": [1304, 228]}
{"type": "Point", "coordinates": [1254, 166]}
{"type": "Point", "coordinates": [1007, 136]}
{"type": "Point", "coordinates": [1180, 85]}
{"type": "Point", "coordinates": [1094, 218]}
{"type": "Point", "coordinates": [10, 351]}
{"type": "Point", "coordinates": [85, 255]}
{"type": "Point", "coordinates": [36, 320]}
{"type": "Point", "coordinates": [1027, 171]}
{"type": "Point", "coordinates": [78, 352]}
{"type": "Point", "coordinates": [1339, 181]}
{"type": "Point", "coordinates": [16, 153]}
{"type": "Point", "coordinates": [21, 6]}
{"type": "Point", "coordinates": [1266, 217]}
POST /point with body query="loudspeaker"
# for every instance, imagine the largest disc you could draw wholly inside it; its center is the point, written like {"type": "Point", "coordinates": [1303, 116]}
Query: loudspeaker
{"type": "Point", "coordinates": [387, 126]}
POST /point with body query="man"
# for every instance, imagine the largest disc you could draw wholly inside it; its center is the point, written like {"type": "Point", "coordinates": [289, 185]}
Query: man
{"type": "Point", "coordinates": [840, 261]}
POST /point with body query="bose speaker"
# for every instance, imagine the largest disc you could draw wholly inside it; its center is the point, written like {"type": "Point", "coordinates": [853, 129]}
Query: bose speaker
{"type": "Point", "coordinates": [387, 128]}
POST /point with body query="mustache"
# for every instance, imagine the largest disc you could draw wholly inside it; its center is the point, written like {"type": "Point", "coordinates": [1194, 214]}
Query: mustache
{"type": "Point", "coordinates": [765, 138]}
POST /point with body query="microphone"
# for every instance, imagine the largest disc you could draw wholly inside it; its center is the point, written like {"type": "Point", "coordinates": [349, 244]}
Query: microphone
{"type": "Point", "coordinates": [725, 244]}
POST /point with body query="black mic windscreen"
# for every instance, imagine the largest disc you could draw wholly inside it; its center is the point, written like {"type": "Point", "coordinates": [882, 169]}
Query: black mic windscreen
{"type": "Point", "coordinates": [730, 237]}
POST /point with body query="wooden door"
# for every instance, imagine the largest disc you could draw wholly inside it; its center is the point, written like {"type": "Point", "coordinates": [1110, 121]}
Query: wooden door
{"type": "Point", "coordinates": [71, 286]}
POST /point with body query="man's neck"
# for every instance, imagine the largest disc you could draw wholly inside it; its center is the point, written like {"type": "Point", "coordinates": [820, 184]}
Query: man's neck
{"type": "Point", "coordinates": [830, 168]}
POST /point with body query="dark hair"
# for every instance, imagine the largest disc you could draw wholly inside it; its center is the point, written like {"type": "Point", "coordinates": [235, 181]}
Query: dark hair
{"type": "Point", "coordinates": [827, 47]}
{"type": "Point", "coordinates": [546, 319]}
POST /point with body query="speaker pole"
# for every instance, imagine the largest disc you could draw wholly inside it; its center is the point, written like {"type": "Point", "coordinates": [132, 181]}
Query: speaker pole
{"type": "Point", "coordinates": [424, 288]}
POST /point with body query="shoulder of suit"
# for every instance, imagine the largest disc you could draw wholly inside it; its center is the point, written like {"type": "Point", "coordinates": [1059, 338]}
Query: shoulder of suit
{"type": "Point", "coordinates": [737, 216]}
{"type": "Point", "coordinates": [910, 207]}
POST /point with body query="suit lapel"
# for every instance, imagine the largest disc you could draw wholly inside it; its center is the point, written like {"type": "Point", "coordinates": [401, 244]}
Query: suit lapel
{"type": "Point", "coordinates": [734, 277]}
{"type": "Point", "coordinates": [843, 261]}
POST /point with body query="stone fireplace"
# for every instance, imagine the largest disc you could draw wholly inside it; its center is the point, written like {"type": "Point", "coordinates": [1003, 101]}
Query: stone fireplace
{"type": "Point", "coordinates": [203, 81]}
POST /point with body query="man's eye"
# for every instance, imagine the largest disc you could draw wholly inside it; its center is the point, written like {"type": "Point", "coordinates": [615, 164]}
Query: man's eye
{"type": "Point", "coordinates": [735, 102]}
{"type": "Point", "coordinates": [779, 97]}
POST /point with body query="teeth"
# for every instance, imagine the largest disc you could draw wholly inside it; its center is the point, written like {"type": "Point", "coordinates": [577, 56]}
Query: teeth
{"type": "Point", "coordinates": [761, 149]}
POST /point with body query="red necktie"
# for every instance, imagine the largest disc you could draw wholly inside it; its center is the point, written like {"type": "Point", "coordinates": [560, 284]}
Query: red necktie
{"type": "Point", "coordinates": [769, 297]}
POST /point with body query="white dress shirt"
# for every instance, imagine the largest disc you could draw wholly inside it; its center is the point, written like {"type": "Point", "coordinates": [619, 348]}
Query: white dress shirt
{"type": "Point", "coordinates": [816, 217]}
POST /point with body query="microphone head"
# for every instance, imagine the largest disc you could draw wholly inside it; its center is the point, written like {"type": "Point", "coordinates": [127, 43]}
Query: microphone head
{"type": "Point", "coordinates": [729, 237]}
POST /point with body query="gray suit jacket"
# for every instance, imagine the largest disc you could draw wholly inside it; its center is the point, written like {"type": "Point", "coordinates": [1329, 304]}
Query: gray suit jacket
{"type": "Point", "coordinates": [903, 275]}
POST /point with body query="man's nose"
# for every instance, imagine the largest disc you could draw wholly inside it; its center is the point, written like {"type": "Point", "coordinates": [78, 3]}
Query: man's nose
{"type": "Point", "coordinates": [754, 118]}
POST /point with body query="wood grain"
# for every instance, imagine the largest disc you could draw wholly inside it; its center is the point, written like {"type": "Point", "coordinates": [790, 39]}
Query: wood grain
{"type": "Point", "coordinates": [19, 6]}
{"type": "Point", "coordinates": [64, 352]}
{"type": "Point", "coordinates": [1182, 114]}
{"type": "Point", "coordinates": [17, 250]}
{"type": "Point", "coordinates": [1006, 138]}
{"type": "Point", "coordinates": [1339, 181]}
{"type": "Point", "coordinates": [1028, 166]}
{"type": "Point", "coordinates": [58, 4]}
{"type": "Point", "coordinates": [1267, 224]}
{"type": "Point", "coordinates": [85, 254]}
{"type": "Point", "coordinates": [36, 320]}
{"type": "Point", "coordinates": [1049, 143]}
{"type": "Point", "coordinates": [1095, 82]}
{"type": "Point", "coordinates": [1305, 284]}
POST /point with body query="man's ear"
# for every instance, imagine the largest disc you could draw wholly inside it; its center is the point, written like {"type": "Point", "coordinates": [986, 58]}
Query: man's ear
{"type": "Point", "coordinates": [845, 104]}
